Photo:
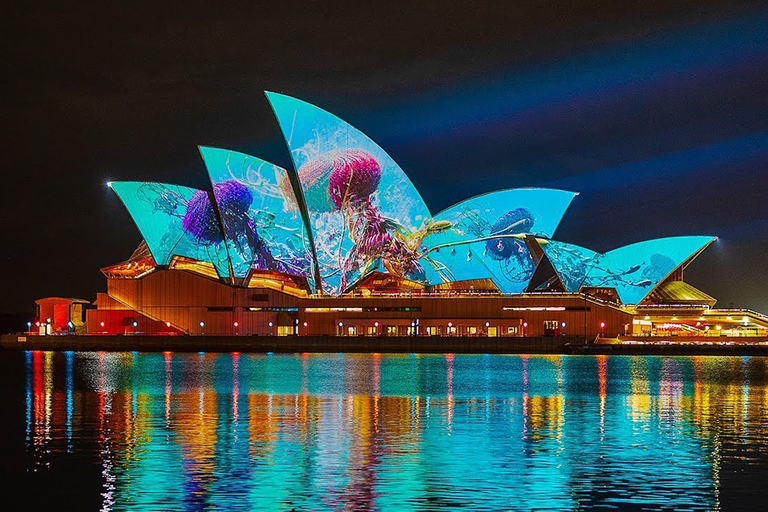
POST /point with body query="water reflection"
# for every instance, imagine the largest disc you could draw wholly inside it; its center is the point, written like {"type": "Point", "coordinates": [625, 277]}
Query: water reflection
{"type": "Point", "coordinates": [180, 431]}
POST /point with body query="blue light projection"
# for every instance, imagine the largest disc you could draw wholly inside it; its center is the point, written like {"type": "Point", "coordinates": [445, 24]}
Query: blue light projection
{"type": "Point", "coordinates": [363, 210]}
{"type": "Point", "coordinates": [571, 262]}
{"type": "Point", "coordinates": [486, 236]}
{"type": "Point", "coordinates": [263, 226]}
{"type": "Point", "coordinates": [175, 221]}
{"type": "Point", "coordinates": [634, 270]}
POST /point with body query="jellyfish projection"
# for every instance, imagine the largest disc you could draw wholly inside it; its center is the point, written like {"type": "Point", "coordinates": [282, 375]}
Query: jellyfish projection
{"type": "Point", "coordinates": [175, 221]}
{"type": "Point", "coordinates": [234, 201]}
{"type": "Point", "coordinates": [486, 238]}
{"type": "Point", "coordinates": [346, 210]}
{"type": "Point", "coordinates": [363, 211]}
{"type": "Point", "coordinates": [353, 176]}
{"type": "Point", "coordinates": [200, 219]}
{"type": "Point", "coordinates": [263, 228]}
{"type": "Point", "coordinates": [501, 246]}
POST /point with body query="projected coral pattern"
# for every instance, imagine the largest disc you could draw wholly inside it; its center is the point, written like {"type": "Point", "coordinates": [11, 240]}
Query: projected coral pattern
{"type": "Point", "coordinates": [263, 226]}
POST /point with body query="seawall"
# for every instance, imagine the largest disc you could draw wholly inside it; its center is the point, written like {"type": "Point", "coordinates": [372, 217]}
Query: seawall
{"type": "Point", "coordinates": [380, 344]}
{"type": "Point", "coordinates": [291, 344]}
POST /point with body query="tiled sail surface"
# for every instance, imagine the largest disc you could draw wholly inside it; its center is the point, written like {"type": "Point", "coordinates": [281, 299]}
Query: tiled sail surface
{"type": "Point", "coordinates": [363, 210]}
{"type": "Point", "coordinates": [175, 221]}
{"type": "Point", "coordinates": [263, 226]}
{"type": "Point", "coordinates": [486, 236]}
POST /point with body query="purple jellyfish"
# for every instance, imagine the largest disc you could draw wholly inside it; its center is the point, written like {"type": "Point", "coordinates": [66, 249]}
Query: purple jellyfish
{"type": "Point", "coordinates": [200, 219]}
{"type": "Point", "coordinates": [234, 199]}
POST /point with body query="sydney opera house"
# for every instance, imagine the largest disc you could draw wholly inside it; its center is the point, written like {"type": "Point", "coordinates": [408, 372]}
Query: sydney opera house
{"type": "Point", "coordinates": [343, 244]}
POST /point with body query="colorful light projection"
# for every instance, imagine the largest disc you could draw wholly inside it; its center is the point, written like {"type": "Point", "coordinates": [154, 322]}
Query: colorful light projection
{"type": "Point", "coordinates": [571, 262]}
{"type": "Point", "coordinates": [175, 221]}
{"type": "Point", "coordinates": [263, 226]}
{"type": "Point", "coordinates": [486, 236]}
{"type": "Point", "coordinates": [635, 270]}
{"type": "Point", "coordinates": [363, 210]}
{"type": "Point", "coordinates": [219, 426]}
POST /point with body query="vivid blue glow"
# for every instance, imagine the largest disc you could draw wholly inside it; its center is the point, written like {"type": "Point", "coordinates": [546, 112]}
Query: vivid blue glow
{"type": "Point", "coordinates": [635, 270]}
{"type": "Point", "coordinates": [620, 73]}
{"type": "Point", "coordinates": [485, 239]}
{"type": "Point", "coordinates": [175, 221]}
{"type": "Point", "coordinates": [363, 210]}
{"type": "Point", "coordinates": [261, 218]}
{"type": "Point", "coordinates": [687, 164]}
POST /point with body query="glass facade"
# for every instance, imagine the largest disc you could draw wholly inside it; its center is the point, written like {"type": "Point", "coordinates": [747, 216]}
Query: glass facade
{"type": "Point", "coordinates": [263, 226]}
{"type": "Point", "coordinates": [175, 221]}
{"type": "Point", "coordinates": [363, 210]}
{"type": "Point", "coordinates": [484, 237]}
{"type": "Point", "coordinates": [634, 270]}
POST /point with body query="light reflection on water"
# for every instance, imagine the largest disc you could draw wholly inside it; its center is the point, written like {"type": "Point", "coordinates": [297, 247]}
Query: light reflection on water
{"type": "Point", "coordinates": [247, 431]}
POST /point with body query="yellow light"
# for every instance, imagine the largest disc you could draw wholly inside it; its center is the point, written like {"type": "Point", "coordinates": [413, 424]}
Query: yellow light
{"type": "Point", "coordinates": [729, 318]}
{"type": "Point", "coordinates": [719, 327]}
{"type": "Point", "coordinates": [647, 317]}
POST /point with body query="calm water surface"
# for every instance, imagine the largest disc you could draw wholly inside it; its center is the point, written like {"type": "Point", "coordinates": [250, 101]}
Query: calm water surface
{"type": "Point", "coordinates": [115, 431]}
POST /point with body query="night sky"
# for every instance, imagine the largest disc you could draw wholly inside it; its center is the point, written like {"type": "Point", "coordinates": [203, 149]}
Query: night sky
{"type": "Point", "coordinates": [656, 113]}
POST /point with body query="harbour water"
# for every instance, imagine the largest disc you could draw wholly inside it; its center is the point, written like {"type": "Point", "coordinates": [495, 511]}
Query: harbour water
{"type": "Point", "coordinates": [153, 431]}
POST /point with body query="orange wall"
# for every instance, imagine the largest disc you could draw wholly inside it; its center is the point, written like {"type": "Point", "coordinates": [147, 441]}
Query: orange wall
{"type": "Point", "coordinates": [185, 299]}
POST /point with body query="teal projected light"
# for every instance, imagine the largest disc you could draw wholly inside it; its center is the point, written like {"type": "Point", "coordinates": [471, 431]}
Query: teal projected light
{"type": "Point", "coordinates": [486, 237]}
{"type": "Point", "coordinates": [571, 262]}
{"type": "Point", "coordinates": [175, 221]}
{"type": "Point", "coordinates": [263, 226]}
{"type": "Point", "coordinates": [634, 270]}
{"type": "Point", "coordinates": [363, 210]}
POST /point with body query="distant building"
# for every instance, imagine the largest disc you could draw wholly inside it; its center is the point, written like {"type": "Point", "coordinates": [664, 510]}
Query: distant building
{"type": "Point", "coordinates": [344, 245]}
